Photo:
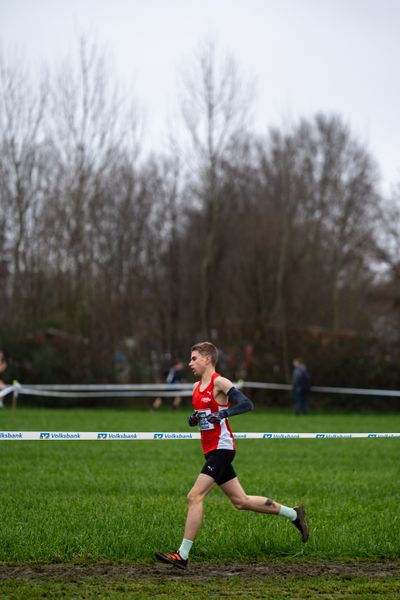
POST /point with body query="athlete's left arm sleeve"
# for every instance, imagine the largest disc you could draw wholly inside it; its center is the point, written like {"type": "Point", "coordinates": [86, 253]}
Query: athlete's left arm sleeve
{"type": "Point", "coordinates": [241, 403]}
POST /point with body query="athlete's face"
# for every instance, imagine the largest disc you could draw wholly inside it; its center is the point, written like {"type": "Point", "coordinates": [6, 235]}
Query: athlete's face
{"type": "Point", "coordinates": [199, 363]}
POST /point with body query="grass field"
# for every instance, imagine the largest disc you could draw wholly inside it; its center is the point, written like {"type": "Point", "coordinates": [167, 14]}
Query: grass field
{"type": "Point", "coordinates": [120, 501]}
{"type": "Point", "coordinates": [234, 588]}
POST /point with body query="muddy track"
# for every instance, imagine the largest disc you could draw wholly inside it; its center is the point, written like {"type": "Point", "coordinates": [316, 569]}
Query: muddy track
{"type": "Point", "coordinates": [199, 571]}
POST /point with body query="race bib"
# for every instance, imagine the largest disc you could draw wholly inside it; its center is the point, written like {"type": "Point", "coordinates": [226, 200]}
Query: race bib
{"type": "Point", "coordinates": [203, 423]}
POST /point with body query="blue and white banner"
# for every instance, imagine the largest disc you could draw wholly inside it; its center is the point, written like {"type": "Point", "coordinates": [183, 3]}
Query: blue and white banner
{"type": "Point", "coordinates": [174, 436]}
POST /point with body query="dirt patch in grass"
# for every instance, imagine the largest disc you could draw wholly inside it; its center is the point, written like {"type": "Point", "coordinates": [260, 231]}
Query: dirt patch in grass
{"type": "Point", "coordinates": [199, 571]}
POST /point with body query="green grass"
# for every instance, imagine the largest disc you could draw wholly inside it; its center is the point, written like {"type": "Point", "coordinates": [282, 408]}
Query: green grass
{"type": "Point", "coordinates": [121, 501]}
{"type": "Point", "coordinates": [325, 588]}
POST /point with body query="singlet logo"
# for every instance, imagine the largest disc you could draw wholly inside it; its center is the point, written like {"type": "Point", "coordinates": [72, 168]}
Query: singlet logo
{"type": "Point", "coordinates": [206, 400]}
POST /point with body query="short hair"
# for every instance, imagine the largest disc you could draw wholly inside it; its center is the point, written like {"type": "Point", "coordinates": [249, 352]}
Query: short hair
{"type": "Point", "coordinates": [207, 349]}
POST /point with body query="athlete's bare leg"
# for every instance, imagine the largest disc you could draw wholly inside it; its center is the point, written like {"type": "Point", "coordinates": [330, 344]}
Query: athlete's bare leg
{"type": "Point", "coordinates": [203, 485]}
{"type": "Point", "coordinates": [242, 501]}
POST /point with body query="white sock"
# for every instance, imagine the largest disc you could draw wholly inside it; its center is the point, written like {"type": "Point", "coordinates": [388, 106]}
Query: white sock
{"type": "Point", "coordinates": [287, 512]}
{"type": "Point", "coordinates": [185, 548]}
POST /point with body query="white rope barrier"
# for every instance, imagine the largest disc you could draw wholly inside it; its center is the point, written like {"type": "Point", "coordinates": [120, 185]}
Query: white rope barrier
{"type": "Point", "coordinates": [323, 389]}
{"type": "Point", "coordinates": [166, 390]}
{"type": "Point", "coordinates": [177, 435]}
{"type": "Point", "coordinates": [100, 391]}
{"type": "Point", "coordinates": [109, 387]}
{"type": "Point", "coordinates": [117, 394]}
{"type": "Point", "coordinates": [7, 390]}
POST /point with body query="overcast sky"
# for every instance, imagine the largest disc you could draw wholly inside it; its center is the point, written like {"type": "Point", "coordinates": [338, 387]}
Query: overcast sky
{"type": "Point", "coordinates": [304, 55]}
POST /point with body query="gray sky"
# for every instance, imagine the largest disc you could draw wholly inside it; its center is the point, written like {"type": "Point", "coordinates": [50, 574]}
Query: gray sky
{"type": "Point", "coordinates": [305, 55]}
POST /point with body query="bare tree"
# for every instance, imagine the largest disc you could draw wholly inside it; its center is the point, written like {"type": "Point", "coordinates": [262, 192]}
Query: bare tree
{"type": "Point", "coordinates": [87, 134]}
{"type": "Point", "coordinates": [387, 253]}
{"type": "Point", "coordinates": [21, 118]}
{"type": "Point", "coordinates": [307, 231]}
{"type": "Point", "coordinates": [215, 109]}
{"type": "Point", "coordinates": [348, 189]}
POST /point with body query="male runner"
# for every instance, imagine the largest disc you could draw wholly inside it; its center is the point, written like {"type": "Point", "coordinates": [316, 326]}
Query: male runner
{"type": "Point", "coordinates": [214, 400]}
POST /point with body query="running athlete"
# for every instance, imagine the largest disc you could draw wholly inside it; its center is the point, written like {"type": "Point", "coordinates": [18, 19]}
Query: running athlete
{"type": "Point", "coordinates": [215, 399]}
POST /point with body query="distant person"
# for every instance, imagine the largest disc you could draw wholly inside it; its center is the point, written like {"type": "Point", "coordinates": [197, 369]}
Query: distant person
{"type": "Point", "coordinates": [176, 374]}
{"type": "Point", "coordinates": [301, 385]}
{"type": "Point", "coordinates": [3, 367]}
{"type": "Point", "coordinates": [246, 362]}
{"type": "Point", "coordinates": [215, 399]}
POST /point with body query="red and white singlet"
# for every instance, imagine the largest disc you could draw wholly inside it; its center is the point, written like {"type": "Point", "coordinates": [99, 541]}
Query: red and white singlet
{"type": "Point", "coordinates": [214, 436]}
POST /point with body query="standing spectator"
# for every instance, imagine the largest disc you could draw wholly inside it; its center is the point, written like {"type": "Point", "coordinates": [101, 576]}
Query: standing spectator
{"type": "Point", "coordinates": [175, 375]}
{"type": "Point", "coordinates": [3, 367]}
{"type": "Point", "coordinates": [301, 386]}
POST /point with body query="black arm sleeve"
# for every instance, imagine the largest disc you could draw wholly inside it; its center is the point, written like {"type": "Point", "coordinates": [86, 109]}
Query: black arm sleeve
{"type": "Point", "coordinates": [242, 403]}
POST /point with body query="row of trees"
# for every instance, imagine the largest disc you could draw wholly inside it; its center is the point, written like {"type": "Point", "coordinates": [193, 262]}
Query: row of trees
{"type": "Point", "coordinates": [281, 241]}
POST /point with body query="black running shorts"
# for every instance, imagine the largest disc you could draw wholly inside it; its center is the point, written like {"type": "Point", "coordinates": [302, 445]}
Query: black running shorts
{"type": "Point", "coordinates": [218, 465]}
